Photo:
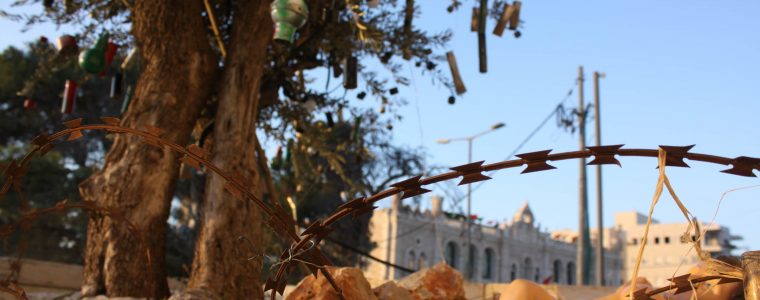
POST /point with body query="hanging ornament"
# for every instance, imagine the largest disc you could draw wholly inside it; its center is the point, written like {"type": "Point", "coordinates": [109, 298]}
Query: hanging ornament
{"type": "Point", "coordinates": [277, 161]}
{"type": "Point", "coordinates": [361, 95]}
{"type": "Point", "coordinates": [111, 49]}
{"type": "Point", "coordinates": [288, 16]}
{"type": "Point", "coordinates": [329, 117]}
{"type": "Point", "coordinates": [66, 44]}
{"type": "Point", "coordinates": [514, 19]}
{"type": "Point", "coordinates": [29, 104]}
{"type": "Point", "coordinates": [93, 60]}
{"type": "Point", "coordinates": [393, 91]}
{"type": "Point", "coordinates": [452, 100]}
{"type": "Point", "coordinates": [350, 77]}
{"type": "Point", "coordinates": [310, 105]}
{"type": "Point", "coordinates": [355, 132]}
{"type": "Point", "coordinates": [69, 97]}
{"type": "Point", "coordinates": [474, 19]}
{"type": "Point", "coordinates": [482, 58]}
{"type": "Point", "coordinates": [116, 85]}
{"type": "Point", "coordinates": [130, 59]}
{"type": "Point", "coordinates": [127, 99]}
{"type": "Point", "coordinates": [517, 34]}
{"type": "Point", "coordinates": [389, 126]}
{"type": "Point", "coordinates": [458, 83]}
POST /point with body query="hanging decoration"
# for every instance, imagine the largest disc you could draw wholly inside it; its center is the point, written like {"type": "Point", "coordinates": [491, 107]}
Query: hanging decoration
{"type": "Point", "coordinates": [458, 83]}
{"type": "Point", "coordinates": [329, 118]}
{"type": "Point", "coordinates": [116, 80]}
{"type": "Point", "coordinates": [288, 16]}
{"type": "Point", "coordinates": [351, 71]}
{"type": "Point", "coordinates": [111, 49]}
{"type": "Point", "coordinates": [277, 161]}
{"type": "Point", "coordinates": [482, 36]}
{"type": "Point", "coordinates": [93, 60]}
{"type": "Point", "coordinates": [452, 100]}
{"type": "Point", "coordinates": [130, 59]}
{"type": "Point", "coordinates": [509, 16]}
{"type": "Point", "coordinates": [474, 19]}
{"type": "Point", "coordinates": [69, 97]}
{"type": "Point", "coordinates": [66, 44]}
{"type": "Point", "coordinates": [127, 99]}
{"type": "Point", "coordinates": [408, 17]}
{"type": "Point", "coordinates": [393, 91]}
{"type": "Point", "coordinates": [361, 95]}
{"type": "Point", "coordinates": [29, 104]}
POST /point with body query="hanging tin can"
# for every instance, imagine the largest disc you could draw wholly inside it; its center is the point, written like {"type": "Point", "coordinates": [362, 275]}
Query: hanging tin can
{"type": "Point", "coordinates": [66, 44]}
{"type": "Point", "coordinates": [29, 104]}
{"type": "Point", "coordinates": [351, 71]}
{"type": "Point", "coordinates": [69, 97]}
{"type": "Point", "coordinates": [93, 60]}
{"type": "Point", "coordinates": [116, 85]}
{"type": "Point", "coordinates": [110, 53]}
{"type": "Point", "coordinates": [288, 16]}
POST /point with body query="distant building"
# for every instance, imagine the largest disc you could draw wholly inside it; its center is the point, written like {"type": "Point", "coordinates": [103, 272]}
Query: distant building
{"type": "Point", "coordinates": [518, 248]}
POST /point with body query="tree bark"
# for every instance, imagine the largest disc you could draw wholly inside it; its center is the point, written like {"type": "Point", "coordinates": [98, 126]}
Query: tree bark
{"type": "Point", "coordinates": [221, 266]}
{"type": "Point", "coordinates": [137, 179]}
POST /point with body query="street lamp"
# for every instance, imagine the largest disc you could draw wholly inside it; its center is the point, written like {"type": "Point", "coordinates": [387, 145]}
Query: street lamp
{"type": "Point", "coordinates": [470, 139]}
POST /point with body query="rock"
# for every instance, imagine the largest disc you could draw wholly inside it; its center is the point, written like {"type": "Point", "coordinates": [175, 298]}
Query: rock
{"type": "Point", "coordinates": [525, 289]}
{"type": "Point", "coordinates": [350, 280]}
{"type": "Point", "coordinates": [391, 291]}
{"type": "Point", "coordinates": [441, 282]}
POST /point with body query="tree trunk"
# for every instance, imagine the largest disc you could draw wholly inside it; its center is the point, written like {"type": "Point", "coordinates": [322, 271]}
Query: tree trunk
{"type": "Point", "coordinates": [138, 179]}
{"type": "Point", "coordinates": [221, 266]}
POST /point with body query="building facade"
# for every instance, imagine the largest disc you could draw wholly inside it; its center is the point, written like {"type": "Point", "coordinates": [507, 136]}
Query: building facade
{"type": "Point", "coordinates": [516, 248]}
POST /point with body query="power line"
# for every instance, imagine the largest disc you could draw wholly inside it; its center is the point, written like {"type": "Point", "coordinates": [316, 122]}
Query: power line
{"type": "Point", "coordinates": [554, 111]}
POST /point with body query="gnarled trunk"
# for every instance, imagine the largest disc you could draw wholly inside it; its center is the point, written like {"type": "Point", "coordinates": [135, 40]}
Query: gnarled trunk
{"type": "Point", "coordinates": [221, 266]}
{"type": "Point", "coordinates": [139, 179]}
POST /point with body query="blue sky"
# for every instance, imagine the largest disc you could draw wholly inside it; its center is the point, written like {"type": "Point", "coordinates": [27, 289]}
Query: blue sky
{"type": "Point", "coordinates": [678, 73]}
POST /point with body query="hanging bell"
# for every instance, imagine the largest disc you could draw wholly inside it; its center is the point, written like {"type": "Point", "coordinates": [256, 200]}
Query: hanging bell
{"type": "Point", "coordinates": [93, 60]}
{"type": "Point", "coordinates": [69, 97]}
{"type": "Point", "coordinates": [288, 16]}
{"type": "Point", "coordinates": [29, 104]}
{"type": "Point", "coordinates": [66, 44]}
{"type": "Point", "coordinates": [116, 85]}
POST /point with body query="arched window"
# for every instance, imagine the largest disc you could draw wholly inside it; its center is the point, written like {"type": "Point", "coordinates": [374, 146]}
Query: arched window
{"type": "Point", "coordinates": [411, 260]}
{"type": "Point", "coordinates": [527, 268]}
{"type": "Point", "coordinates": [422, 261]}
{"type": "Point", "coordinates": [557, 271]}
{"type": "Point", "coordinates": [472, 262]}
{"type": "Point", "coordinates": [452, 251]}
{"type": "Point", "coordinates": [513, 273]}
{"type": "Point", "coordinates": [488, 267]}
{"type": "Point", "coordinates": [570, 273]}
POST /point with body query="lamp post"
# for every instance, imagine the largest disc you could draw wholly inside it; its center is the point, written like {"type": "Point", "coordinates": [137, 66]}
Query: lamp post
{"type": "Point", "coordinates": [470, 139]}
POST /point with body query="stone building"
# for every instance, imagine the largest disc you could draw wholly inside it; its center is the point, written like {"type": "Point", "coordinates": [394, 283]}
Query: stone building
{"type": "Point", "coordinates": [517, 248]}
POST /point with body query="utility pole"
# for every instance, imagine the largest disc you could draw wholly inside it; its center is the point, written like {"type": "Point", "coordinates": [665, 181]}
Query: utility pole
{"type": "Point", "coordinates": [583, 255]}
{"type": "Point", "coordinates": [599, 221]}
